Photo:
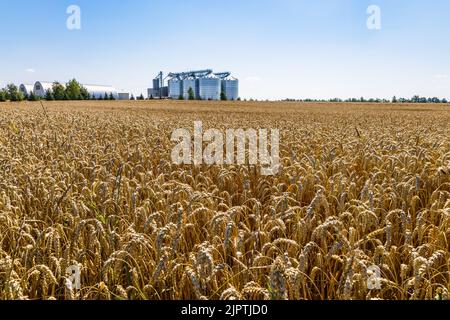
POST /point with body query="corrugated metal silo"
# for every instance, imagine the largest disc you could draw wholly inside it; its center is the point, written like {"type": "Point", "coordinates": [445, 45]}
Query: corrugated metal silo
{"type": "Point", "coordinates": [174, 88]}
{"type": "Point", "coordinates": [209, 87]}
{"type": "Point", "coordinates": [230, 86]}
{"type": "Point", "coordinates": [156, 83]}
{"type": "Point", "coordinates": [187, 83]}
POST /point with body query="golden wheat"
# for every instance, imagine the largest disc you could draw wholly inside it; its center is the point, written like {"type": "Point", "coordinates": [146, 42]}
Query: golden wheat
{"type": "Point", "coordinates": [91, 184]}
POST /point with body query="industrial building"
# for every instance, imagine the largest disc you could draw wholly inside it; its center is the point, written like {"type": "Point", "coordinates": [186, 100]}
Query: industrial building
{"type": "Point", "coordinates": [40, 89]}
{"type": "Point", "coordinates": [209, 87]}
{"type": "Point", "coordinates": [123, 96]}
{"type": "Point", "coordinates": [229, 85]}
{"type": "Point", "coordinates": [26, 89]}
{"type": "Point", "coordinates": [100, 91]}
{"type": "Point", "coordinates": [205, 84]}
{"type": "Point", "coordinates": [158, 90]}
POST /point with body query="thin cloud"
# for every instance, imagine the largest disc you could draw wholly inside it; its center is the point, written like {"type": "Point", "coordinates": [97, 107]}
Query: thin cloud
{"type": "Point", "coordinates": [30, 70]}
{"type": "Point", "coordinates": [441, 76]}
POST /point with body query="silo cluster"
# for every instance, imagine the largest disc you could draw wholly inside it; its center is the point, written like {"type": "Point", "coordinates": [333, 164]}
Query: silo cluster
{"type": "Point", "coordinates": [205, 85]}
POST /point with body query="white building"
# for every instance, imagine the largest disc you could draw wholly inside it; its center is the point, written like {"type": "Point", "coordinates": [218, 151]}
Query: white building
{"type": "Point", "coordinates": [100, 91]}
{"type": "Point", "coordinates": [40, 88]}
{"type": "Point", "coordinates": [26, 89]}
{"type": "Point", "coordinates": [123, 96]}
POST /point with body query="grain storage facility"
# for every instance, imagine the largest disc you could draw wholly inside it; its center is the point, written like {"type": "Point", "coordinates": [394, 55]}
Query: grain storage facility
{"type": "Point", "coordinates": [209, 87]}
{"type": "Point", "coordinates": [230, 85]}
{"type": "Point", "coordinates": [206, 85]}
{"type": "Point", "coordinates": [187, 83]}
{"type": "Point", "coordinates": [174, 88]}
{"type": "Point", "coordinates": [158, 90]}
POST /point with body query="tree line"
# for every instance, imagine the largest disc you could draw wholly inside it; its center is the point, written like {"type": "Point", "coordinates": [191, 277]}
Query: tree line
{"type": "Point", "coordinates": [73, 90]}
{"type": "Point", "coordinates": [414, 99]}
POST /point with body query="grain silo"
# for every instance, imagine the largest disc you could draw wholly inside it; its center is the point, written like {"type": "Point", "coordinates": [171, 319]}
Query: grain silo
{"type": "Point", "coordinates": [40, 88]}
{"type": "Point", "coordinates": [209, 87]}
{"type": "Point", "coordinates": [174, 88]}
{"type": "Point", "coordinates": [187, 83]}
{"type": "Point", "coordinates": [230, 86]}
{"type": "Point", "coordinates": [26, 89]}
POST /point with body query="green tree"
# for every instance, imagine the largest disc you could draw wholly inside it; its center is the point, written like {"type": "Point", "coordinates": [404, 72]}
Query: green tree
{"type": "Point", "coordinates": [13, 93]}
{"type": "Point", "coordinates": [191, 94]}
{"type": "Point", "coordinates": [3, 95]}
{"type": "Point", "coordinates": [59, 92]}
{"type": "Point", "coordinates": [32, 97]}
{"type": "Point", "coordinates": [132, 97]}
{"type": "Point", "coordinates": [49, 95]}
{"type": "Point", "coordinates": [73, 90]}
{"type": "Point", "coordinates": [84, 93]}
{"type": "Point", "coordinates": [180, 97]}
{"type": "Point", "coordinates": [223, 96]}
{"type": "Point", "coordinates": [151, 97]}
{"type": "Point", "coordinates": [141, 97]}
{"type": "Point", "coordinates": [106, 97]}
{"type": "Point", "coordinates": [111, 97]}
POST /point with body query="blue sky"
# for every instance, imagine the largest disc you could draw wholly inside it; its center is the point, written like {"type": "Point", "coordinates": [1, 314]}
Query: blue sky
{"type": "Point", "coordinates": [277, 48]}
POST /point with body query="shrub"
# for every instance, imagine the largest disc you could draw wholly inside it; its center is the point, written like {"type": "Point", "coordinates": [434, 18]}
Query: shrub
{"type": "Point", "coordinates": [191, 94]}
{"type": "Point", "coordinates": [32, 97]}
{"type": "Point", "coordinates": [223, 96]}
{"type": "Point", "coordinates": [3, 95]}
{"type": "Point", "coordinates": [13, 93]}
{"type": "Point", "coordinates": [49, 95]}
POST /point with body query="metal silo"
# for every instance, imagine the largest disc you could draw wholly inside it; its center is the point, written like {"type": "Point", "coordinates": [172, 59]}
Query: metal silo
{"type": "Point", "coordinates": [230, 86]}
{"type": "Point", "coordinates": [189, 82]}
{"type": "Point", "coordinates": [156, 83]}
{"type": "Point", "coordinates": [209, 87]}
{"type": "Point", "coordinates": [174, 88]}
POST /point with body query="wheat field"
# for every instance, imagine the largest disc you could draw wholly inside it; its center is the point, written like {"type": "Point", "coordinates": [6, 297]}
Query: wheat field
{"type": "Point", "coordinates": [92, 185]}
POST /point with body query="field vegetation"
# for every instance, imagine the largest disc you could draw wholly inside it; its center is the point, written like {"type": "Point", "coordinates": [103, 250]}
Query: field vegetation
{"type": "Point", "coordinates": [91, 184]}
